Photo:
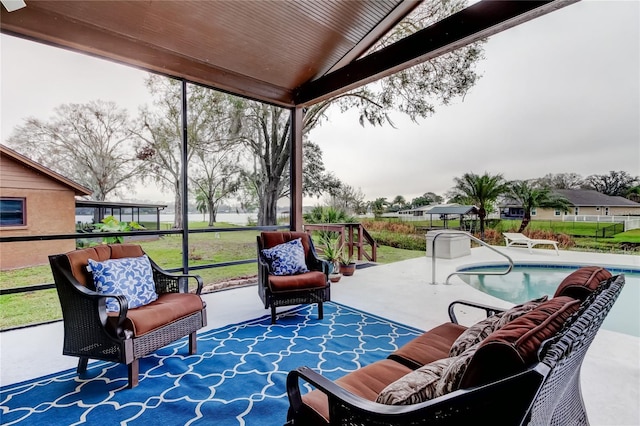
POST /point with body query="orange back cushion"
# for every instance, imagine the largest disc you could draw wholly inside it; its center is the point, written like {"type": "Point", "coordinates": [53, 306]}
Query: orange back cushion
{"type": "Point", "coordinates": [79, 259]}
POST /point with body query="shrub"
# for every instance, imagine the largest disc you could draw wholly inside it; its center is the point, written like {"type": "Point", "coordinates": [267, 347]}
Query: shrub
{"type": "Point", "coordinates": [402, 241]}
{"type": "Point", "coordinates": [111, 224]}
{"type": "Point", "coordinates": [492, 237]}
{"type": "Point", "coordinates": [563, 240]}
{"type": "Point", "coordinates": [382, 225]}
{"type": "Point", "coordinates": [321, 214]}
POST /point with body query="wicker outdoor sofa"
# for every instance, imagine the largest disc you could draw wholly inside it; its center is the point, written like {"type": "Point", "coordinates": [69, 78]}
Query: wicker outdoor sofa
{"type": "Point", "coordinates": [91, 332]}
{"type": "Point", "coordinates": [524, 369]}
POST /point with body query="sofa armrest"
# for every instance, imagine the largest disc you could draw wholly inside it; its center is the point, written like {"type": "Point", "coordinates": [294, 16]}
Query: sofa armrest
{"type": "Point", "coordinates": [490, 310]}
{"type": "Point", "coordinates": [483, 404]}
{"type": "Point", "coordinates": [316, 264]}
{"type": "Point", "coordinates": [80, 304]}
{"type": "Point", "coordinates": [171, 283]}
{"type": "Point", "coordinates": [323, 384]}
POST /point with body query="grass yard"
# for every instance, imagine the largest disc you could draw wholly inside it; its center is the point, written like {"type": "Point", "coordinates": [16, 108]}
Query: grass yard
{"type": "Point", "coordinates": [219, 247]}
{"type": "Point", "coordinates": [204, 248]}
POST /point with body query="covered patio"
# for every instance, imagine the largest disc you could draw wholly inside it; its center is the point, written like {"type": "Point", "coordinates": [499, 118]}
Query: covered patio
{"type": "Point", "coordinates": [400, 292]}
{"type": "Point", "coordinates": [285, 53]}
{"type": "Point", "coordinates": [292, 56]}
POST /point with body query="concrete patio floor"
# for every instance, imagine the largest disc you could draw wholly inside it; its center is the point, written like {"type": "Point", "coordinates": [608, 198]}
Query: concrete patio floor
{"type": "Point", "coordinates": [401, 292]}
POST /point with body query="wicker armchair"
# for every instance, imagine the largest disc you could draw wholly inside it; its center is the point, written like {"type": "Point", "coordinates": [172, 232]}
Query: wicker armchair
{"type": "Point", "coordinates": [310, 287]}
{"type": "Point", "coordinates": [545, 393]}
{"type": "Point", "coordinates": [130, 334]}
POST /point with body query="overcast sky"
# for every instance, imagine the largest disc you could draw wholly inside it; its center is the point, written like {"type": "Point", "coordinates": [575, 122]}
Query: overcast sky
{"type": "Point", "coordinates": [558, 94]}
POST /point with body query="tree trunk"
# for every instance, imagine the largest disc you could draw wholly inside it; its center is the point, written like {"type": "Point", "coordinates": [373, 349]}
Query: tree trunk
{"type": "Point", "coordinates": [525, 221]}
{"type": "Point", "coordinates": [212, 212]}
{"type": "Point", "coordinates": [268, 211]}
{"type": "Point", "coordinates": [177, 217]}
{"type": "Point", "coordinates": [481, 215]}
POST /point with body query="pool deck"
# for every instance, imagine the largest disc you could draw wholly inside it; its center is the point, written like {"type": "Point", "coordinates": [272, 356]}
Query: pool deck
{"type": "Point", "coordinates": [402, 292]}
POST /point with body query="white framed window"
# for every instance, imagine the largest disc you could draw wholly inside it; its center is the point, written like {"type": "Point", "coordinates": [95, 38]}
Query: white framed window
{"type": "Point", "coordinates": [557, 212]}
{"type": "Point", "coordinates": [606, 211]}
{"type": "Point", "coordinates": [576, 211]}
{"type": "Point", "coordinates": [533, 211]}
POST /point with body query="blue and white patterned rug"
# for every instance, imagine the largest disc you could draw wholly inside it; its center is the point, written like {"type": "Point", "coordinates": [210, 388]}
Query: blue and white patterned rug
{"type": "Point", "coordinates": [237, 378]}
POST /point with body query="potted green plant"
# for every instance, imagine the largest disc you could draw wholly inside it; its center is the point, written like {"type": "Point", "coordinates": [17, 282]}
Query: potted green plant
{"type": "Point", "coordinates": [332, 251]}
{"type": "Point", "coordinates": [347, 265]}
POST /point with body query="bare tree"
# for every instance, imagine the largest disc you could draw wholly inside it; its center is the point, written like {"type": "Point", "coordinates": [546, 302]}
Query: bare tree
{"type": "Point", "coordinates": [90, 143]}
{"type": "Point", "coordinates": [413, 92]}
{"type": "Point", "coordinates": [615, 183]}
{"type": "Point", "coordinates": [217, 179]}
{"type": "Point", "coordinates": [264, 130]}
{"type": "Point", "coordinates": [208, 139]}
{"type": "Point", "coordinates": [348, 199]}
{"type": "Point", "coordinates": [561, 181]}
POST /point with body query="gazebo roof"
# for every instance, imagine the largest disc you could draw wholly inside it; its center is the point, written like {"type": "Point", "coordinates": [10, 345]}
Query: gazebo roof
{"type": "Point", "coordinates": [453, 210]}
{"type": "Point", "coordinates": [288, 53]}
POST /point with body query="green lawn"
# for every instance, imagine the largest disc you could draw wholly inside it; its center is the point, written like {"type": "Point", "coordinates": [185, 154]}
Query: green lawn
{"type": "Point", "coordinates": [207, 248]}
{"type": "Point", "coordinates": [204, 248]}
{"type": "Point", "coordinates": [632, 236]}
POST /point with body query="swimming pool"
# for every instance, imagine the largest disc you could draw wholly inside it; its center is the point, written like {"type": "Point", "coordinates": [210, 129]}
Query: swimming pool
{"type": "Point", "coordinates": [528, 281]}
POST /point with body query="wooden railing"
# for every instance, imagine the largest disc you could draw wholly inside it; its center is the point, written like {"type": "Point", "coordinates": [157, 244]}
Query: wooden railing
{"type": "Point", "coordinates": [354, 237]}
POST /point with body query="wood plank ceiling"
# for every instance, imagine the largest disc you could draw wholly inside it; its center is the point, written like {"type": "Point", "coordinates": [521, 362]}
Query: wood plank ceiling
{"type": "Point", "coordinates": [283, 52]}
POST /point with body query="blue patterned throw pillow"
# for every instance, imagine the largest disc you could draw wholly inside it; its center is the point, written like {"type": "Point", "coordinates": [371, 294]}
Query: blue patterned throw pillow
{"type": "Point", "coordinates": [286, 258]}
{"type": "Point", "coordinates": [130, 276]}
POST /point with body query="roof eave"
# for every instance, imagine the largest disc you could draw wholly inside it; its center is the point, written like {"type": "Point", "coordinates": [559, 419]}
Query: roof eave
{"type": "Point", "coordinates": [78, 189]}
{"type": "Point", "coordinates": [467, 26]}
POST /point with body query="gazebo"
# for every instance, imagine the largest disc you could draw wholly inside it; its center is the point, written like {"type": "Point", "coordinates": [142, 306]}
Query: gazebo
{"type": "Point", "coordinates": [446, 211]}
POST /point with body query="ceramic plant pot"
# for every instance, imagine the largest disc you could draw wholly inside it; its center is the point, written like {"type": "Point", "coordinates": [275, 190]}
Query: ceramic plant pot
{"type": "Point", "coordinates": [348, 270]}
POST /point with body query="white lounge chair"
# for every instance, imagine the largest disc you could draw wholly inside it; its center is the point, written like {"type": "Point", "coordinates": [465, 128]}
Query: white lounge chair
{"type": "Point", "coordinates": [514, 239]}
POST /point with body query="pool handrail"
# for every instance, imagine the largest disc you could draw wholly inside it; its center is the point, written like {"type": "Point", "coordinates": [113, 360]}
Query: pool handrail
{"type": "Point", "coordinates": [479, 241]}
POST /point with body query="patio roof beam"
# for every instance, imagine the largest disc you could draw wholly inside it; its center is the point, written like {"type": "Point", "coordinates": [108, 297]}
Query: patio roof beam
{"type": "Point", "coordinates": [63, 32]}
{"type": "Point", "coordinates": [474, 23]}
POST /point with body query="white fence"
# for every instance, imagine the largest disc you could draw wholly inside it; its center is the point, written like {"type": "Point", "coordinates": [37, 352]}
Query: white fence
{"type": "Point", "coordinates": [629, 223]}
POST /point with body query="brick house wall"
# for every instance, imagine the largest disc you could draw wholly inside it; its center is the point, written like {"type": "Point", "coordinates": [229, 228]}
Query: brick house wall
{"type": "Point", "coordinates": [49, 206]}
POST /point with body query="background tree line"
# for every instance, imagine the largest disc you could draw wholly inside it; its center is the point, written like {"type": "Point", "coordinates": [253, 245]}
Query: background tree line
{"type": "Point", "coordinates": [484, 191]}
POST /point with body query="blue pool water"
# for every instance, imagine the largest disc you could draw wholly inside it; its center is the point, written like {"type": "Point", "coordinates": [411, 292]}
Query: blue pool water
{"type": "Point", "coordinates": [526, 282]}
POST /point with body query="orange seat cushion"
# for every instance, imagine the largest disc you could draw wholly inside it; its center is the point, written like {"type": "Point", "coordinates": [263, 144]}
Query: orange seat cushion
{"type": "Point", "coordinates": [430, 346]}
{"type": "Point", "coordinates": [312, 279]}
{"type": "Point", "coordinates": [167, 309]}
{"type": "Point", "coordinates": [366, 382]}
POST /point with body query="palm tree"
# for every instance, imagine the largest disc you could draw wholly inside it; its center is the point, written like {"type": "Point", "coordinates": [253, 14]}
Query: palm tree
{"type": "Point", "coordinates": [202, 203]}
{"type": "Point", "coordinates": [398, 203]}
{"type": "Point", "coordinates": [531, 196]}
{"type": "Point", "coordinates": [482, 191]}
{"type": "Point", "coordinates": [378, 206]}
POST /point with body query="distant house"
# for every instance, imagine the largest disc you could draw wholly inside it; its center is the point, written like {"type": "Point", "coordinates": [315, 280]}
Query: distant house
{"type": "Point", "coordinates": [34, 200]}
{"type": "Point", "coordinates": [584, 202]}
{"type": "Point", "coordinates": [417, 212]}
